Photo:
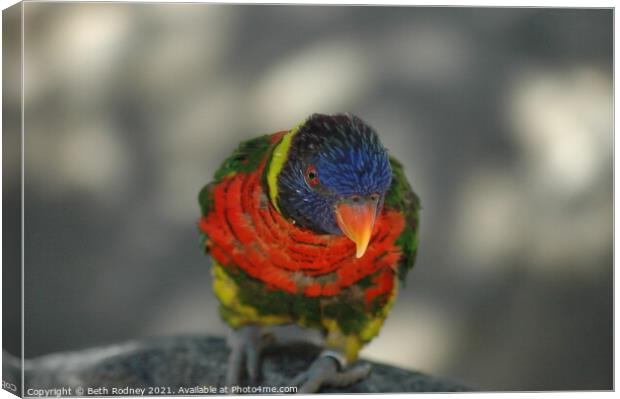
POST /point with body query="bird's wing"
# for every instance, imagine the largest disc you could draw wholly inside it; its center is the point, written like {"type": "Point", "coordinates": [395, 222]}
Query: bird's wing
{"type": "Point", "coordinates": [401, 197]}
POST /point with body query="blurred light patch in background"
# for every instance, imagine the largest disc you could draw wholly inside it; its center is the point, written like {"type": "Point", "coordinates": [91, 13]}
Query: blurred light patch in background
{"type": "Point", "coordinates": [502, 118]}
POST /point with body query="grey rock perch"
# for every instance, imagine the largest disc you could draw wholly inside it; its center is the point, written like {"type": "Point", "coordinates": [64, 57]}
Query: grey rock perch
{"type": "Point", "coordinates": [195, 361]}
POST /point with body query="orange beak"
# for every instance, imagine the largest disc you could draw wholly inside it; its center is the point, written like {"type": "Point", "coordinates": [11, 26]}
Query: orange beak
{"type": "Point", "coordinates": [357, 222]}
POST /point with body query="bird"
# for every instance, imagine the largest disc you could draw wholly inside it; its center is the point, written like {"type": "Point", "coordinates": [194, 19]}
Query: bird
{"type": "Point", "coordinates": [313, 227]}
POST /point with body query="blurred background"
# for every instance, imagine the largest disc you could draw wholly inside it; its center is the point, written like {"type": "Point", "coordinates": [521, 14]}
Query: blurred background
{"type": "Point", "coordinates": [503, 119]}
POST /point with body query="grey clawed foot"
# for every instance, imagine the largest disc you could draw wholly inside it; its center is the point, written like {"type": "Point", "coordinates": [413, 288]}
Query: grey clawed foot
{"type": "Point", "coordinates": [245, 346]}
{"type": "Point", "coordinates": [325, 372]}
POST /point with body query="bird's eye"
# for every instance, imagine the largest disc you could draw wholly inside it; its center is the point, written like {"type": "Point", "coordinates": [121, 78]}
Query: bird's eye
{"type": "Point", "coordinates": [312, 177]}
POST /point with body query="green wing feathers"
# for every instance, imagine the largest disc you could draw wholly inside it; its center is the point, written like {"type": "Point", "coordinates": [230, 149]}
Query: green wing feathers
{"type": "Point", "coordinates": [246, 158]}
{"type": "Point", "coordinates": [400, 196]}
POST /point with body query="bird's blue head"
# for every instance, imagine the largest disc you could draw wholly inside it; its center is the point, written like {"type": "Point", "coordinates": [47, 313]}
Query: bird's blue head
{"type": "Point", "coordinates": [330, 175]}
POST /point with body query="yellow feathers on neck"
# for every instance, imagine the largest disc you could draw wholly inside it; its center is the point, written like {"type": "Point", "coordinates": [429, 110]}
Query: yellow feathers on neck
{"type": "Point", "coordinates": [278, 158]}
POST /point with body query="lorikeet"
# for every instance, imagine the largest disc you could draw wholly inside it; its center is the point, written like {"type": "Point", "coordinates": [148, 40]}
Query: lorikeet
{"type": "Point", "coordinates": [312, 226]}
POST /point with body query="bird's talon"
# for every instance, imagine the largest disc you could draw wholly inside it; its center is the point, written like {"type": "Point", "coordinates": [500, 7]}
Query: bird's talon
{"type": "Point", "coordinates": [325, 371]}
{"type": "Point", "coordinates": [349, 377]}
{"type": "Point", "coordinates": [245, 345]}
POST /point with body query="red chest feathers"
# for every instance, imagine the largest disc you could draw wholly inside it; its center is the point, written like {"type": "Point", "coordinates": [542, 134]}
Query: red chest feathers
{"type": "Point", "coordinates": [244, 230]}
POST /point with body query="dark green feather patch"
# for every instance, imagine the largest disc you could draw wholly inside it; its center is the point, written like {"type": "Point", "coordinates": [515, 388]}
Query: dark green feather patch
{"type": "Point", "coordinates": [246, 158]}
{"type": "Point", "coordinates": [401, 197]}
